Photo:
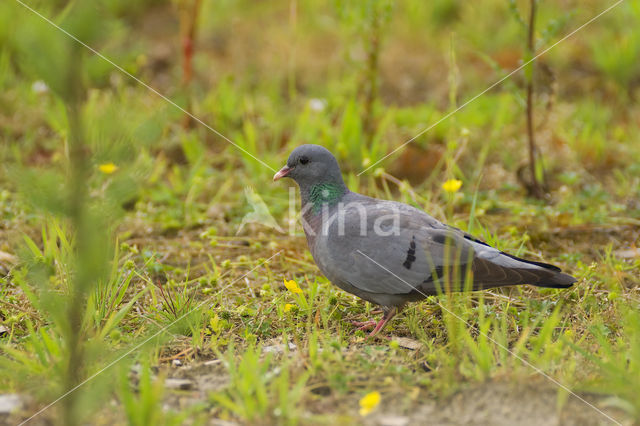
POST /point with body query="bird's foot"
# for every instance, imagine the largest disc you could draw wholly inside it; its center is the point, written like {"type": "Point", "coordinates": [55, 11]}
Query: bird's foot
{"type": "Point", "coordinates": [365, 325]}
{"type": "Point", "coordinates": [379, 326]}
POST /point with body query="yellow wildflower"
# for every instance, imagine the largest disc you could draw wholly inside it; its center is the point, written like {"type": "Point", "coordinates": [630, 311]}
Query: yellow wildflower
{"type": "Point", "coordinates": [107, 168]}
{"type": "Point", "coordinates": [452, 185]}
{"type": "Point", "coordinates": [369, 402]}
{"type": "Point", "coordinates": [288, 307]}
{"type": "Point", "coordinates": [292, 286]}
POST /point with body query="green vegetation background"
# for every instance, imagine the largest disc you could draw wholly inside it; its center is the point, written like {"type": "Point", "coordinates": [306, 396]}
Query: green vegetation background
{"type": "Point", "coordinates": [119, 214]}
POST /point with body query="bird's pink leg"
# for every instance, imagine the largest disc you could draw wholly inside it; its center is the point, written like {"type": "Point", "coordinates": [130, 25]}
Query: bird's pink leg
{"type": "Point", "coordinates": [385, 319]}
{"type": "Point", "coordinates": [367, 325]}
{"type": "Point", "coordinates": [377, 326]}
{"type": "Point", "coordinates": [364, 325]}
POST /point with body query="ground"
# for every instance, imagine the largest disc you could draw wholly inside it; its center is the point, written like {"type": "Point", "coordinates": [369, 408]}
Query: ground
{"type": "Point", "coordinates": [146, 254]}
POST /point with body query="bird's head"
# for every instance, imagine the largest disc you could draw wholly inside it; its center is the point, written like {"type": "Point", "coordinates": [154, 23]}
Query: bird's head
{"type": "Point", "coordinates": [309, 165]}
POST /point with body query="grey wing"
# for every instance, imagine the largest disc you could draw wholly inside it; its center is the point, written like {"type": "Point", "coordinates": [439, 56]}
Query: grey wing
{"type": "Point", "coordinates": [398, 250]}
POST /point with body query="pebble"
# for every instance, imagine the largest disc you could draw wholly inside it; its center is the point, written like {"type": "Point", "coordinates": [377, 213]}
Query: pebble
{"type": "Point", "coordinates": [10, 403]}
{"type": "Point", "coordinates": [180, 384]}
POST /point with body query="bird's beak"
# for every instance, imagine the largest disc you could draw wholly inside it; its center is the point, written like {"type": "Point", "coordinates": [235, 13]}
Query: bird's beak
{"type": "Point", "coordinates": [282, 173]}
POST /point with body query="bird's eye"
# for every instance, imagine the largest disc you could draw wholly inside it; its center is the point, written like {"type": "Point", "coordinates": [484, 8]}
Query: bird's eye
{"type": "Point", "coordinates": [303, 160]}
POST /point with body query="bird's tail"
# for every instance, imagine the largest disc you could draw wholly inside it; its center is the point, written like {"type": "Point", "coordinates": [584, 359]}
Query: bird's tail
{"type": "Point", "coordinates": [511, 270]}
{"type": "Point", "coordinates": [558, 280]}
{"type": "Point", "coordinates": [549, 276]}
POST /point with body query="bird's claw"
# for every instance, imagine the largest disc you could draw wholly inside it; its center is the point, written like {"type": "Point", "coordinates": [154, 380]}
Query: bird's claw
{"type": "Point", "coordinates": [364, 325]}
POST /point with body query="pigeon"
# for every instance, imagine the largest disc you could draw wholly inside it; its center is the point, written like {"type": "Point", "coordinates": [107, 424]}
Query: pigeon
{"type": "Point", "coordinates": [390, 253]}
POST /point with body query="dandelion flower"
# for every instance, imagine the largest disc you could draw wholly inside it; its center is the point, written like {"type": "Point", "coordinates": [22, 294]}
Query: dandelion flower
{"type": "Point", "coordinates": [292, 286]}
{"type": "Point", "coordinates": [369, 402]}
{"type": "Point", "coordinates": [452, 185]}
{"type": "Point", "coordinates": [288, 307]}
{"type": "Point", "coordinates": [107, 168]}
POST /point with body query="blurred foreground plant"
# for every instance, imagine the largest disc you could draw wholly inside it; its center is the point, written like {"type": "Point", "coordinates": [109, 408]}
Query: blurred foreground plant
{"type": "Point", "coordinates": [259, 389]}
{"type": "Point", "coordinates": [78, 204]}
{"type": "Point", "coordinates": [618, 362]}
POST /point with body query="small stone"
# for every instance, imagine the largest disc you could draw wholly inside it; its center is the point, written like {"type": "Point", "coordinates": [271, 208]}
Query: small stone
{"type": "Point", "coordinates": [317, 105]}
{"type": "Point", "coordinates": [180, 384]}
{"type": "Point", "coordinates": [39, 87]}
{"type": "Point", "coordinates": [407, 343]}
{"type": "Point", "coordinates": [628, 253]}
{"type": "Point", "coordinates": [10, 403]}
{"type": "Point", "coordinates": [8, 257]}
{"type": "Point", "coordinates": [278, 348]}
{"type": "Point", "coordinates": [176, 363]}
{"type": "Point", "coordinates": [393, 420]}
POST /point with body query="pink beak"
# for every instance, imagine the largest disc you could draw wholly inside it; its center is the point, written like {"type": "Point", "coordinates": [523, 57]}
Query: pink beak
{"type": "Point", "coordinates": [282, 173]}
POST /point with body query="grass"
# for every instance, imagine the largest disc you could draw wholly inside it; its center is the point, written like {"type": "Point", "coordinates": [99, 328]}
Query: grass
{"type": "Point", "coordinates": [147, 256]}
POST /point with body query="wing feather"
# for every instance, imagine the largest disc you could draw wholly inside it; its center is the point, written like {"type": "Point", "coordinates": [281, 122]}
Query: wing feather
{"type": "Point", "coordinates": [391, 257]}
{"type": "Point", "coordinates": [400, 249]}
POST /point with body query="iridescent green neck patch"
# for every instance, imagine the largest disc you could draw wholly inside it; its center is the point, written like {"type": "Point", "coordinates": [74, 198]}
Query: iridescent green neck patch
{"type": "Point", "coordinates": [325, 193]}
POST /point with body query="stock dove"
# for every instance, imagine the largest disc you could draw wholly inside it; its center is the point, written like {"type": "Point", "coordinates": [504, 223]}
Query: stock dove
{"type": "Point", "coordinates": [390, 253]}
